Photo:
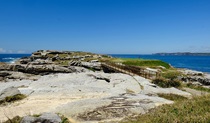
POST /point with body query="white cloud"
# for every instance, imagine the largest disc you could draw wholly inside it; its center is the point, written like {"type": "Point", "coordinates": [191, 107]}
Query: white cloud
{"type": "Point", "coordinates": [2, 50]}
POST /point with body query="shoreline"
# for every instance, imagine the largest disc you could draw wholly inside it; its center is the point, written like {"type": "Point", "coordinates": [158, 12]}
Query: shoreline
{"type": "Point", "coordinates": [80, 88]}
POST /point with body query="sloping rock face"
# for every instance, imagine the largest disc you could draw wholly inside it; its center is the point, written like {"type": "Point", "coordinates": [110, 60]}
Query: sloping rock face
{"type": "Point", "coordinates": [87, 96]}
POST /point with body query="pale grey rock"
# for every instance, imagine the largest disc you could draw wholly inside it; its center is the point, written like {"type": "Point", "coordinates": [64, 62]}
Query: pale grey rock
{"type": "Point", "coordinates": [95, 65]}
{"type": "Point", "coordinates": [82, 96]}
{"type": "Point", "coordinates": [50, 117]}
{"type": "Point", "coordinates": [44, 118]}
{"type": "Point", "coordinates": [28, 119]}
{"type": "Point", "coordinates": [41, 62]}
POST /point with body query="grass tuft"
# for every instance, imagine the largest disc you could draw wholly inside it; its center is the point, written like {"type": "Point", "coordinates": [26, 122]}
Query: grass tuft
{"type": "Point", "coordinates": [196, 110]}
{"type": "Point", "coordinates": [14, 98]}
{"type": "Point", "coordinates": [166, 83]}
{"type": "Point", "coordinates": [196, 87]}
{"type": "Point", "coordinates": [173, 97]}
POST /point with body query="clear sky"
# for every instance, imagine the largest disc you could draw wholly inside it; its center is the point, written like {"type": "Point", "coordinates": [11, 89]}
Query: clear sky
{"type": "Point", "coordinates": [105, 26]}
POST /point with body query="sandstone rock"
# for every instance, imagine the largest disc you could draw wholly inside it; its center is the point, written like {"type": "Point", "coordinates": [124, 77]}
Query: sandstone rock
{"type": "Point", "coordinates": [96, 66]}
{"type": "Point", "coordinates": [41, 62]}
{"type": "Point", "coordinates": [11, 91]}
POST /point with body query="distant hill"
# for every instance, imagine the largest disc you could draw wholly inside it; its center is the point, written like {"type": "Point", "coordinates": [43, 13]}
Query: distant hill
{"type": "Point", "coordinates": [184, 53]}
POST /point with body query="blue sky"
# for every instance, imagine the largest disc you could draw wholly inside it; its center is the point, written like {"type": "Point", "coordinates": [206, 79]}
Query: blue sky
{"type": "Point", "coordinates": [105, 26]}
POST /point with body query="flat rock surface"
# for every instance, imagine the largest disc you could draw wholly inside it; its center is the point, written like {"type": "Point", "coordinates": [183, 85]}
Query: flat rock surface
{"type": "Point", "coordinates": [86, 97]}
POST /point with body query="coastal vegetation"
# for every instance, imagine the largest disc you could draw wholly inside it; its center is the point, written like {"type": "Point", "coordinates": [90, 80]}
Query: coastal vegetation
{"type": "Point", "coordinates": [166, 83]}
{"type": "Point", "coordinates": [146, 63]}
{"type": "Point", "coordinates": [196, 87]}
{"type": "Point", "coordinates": [10, 99]}
{"type": "Point", "coordinates": [196, 110]}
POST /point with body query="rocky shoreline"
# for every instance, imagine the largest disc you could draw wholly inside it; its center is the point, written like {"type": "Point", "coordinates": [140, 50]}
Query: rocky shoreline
{"type": "Point", "coordinates": [195, 77]}
{"type": "Point", "coordinates": [74, 84]}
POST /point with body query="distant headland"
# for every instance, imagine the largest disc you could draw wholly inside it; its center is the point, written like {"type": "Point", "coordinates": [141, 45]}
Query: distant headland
{"type": "Point", "coordinates": [184, 53]}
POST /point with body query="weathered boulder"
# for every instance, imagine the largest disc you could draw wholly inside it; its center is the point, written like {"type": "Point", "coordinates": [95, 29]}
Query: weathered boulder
{"type": "Point", "coordinates": [44, 118]}
{"type": "Point", "coordinates": [11, 91]}
{"type": "Point", "coordinates": [25, 60]}
{"type": "Point", "coordinates": [41, 62]}
{"type": "Point", "coordinates": [195, 79]}
{"type": "Point", "coordinates": [28, 119]}
{"type": "Point", "coordinates": [4, 66]}
{"type": "Point", "coordinates": [95, 65]}
{"type": "Point", "coordinates": [75, 63]}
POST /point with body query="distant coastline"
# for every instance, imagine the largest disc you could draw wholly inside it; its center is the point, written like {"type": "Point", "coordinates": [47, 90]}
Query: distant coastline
{"type": "Point", "coordinates": [183, 54]}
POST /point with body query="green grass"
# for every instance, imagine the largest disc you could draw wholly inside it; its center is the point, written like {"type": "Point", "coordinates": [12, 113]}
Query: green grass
{"type": "Point", "coordinates": [195, 110]}
{"type": "Point", "coordinates": [145, 63]}
{"type": "Point", "coordinates": [196, 87]}
{"type": "Point", "coordinates": [173, 97]}
{"type": "Point", "coordinates": [171, 74]}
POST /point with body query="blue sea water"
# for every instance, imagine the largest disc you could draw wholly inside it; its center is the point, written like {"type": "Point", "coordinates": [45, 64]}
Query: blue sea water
{"type": "Point", "coordinates": [198, 63]}
{"type": "Point", "coordinates": [11, 58]}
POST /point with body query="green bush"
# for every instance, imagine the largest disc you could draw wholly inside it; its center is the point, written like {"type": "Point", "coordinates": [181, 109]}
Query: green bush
{"type": "Point", "coordinates": [166, 83]}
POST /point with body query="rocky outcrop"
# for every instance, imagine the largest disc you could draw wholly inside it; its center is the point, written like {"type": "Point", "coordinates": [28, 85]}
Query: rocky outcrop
{"type": "Point", "coordinates": [194, 79]}
{"type": "Point", "coordinates": [87, 95]}
{"type": "Point", "coordinates": [14, 75]}
{"type": "Point", "coordinates": [94, 64]}
{"type": "Point", "coordinates": [44, 118]}
{"type": "Point", "coordinates": [45, 62]}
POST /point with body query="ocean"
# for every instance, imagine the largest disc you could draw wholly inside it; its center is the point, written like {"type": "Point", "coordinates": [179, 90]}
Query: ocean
{"type": "Point", "coordinates": [198, 63]}
{"type": "Point", "coordinates": [11, 58]}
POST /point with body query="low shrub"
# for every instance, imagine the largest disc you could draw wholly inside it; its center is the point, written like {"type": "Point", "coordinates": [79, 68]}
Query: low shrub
{"type": "Point", "coordinates": [13, 98]}
{"type": "Point", "coordinates": [171, 74]}
{"type": "Point", "coordinates": [166, 83]}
